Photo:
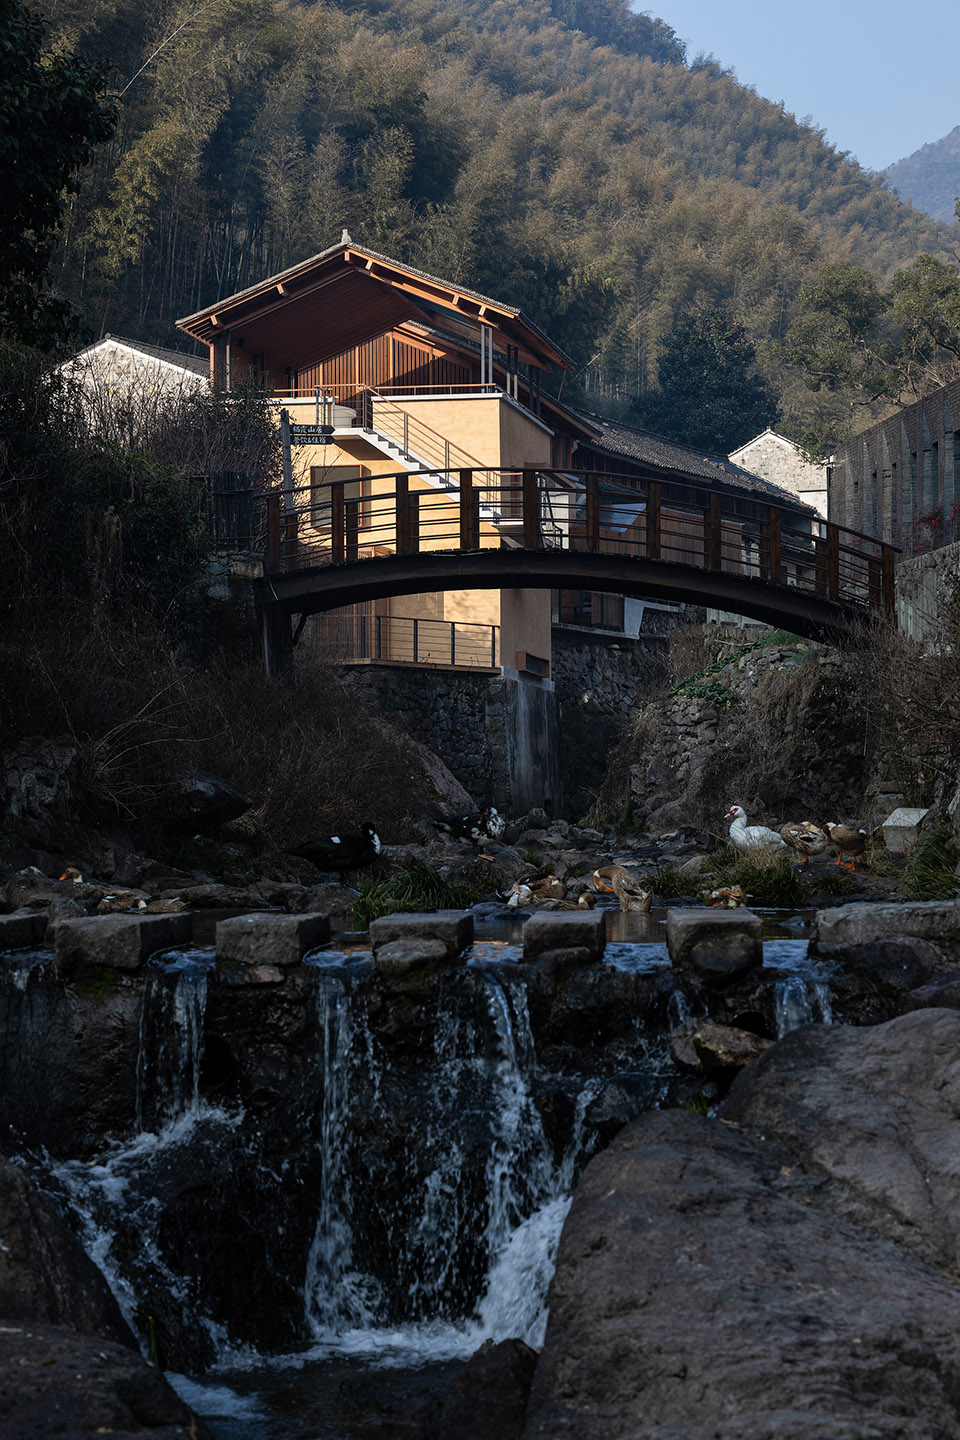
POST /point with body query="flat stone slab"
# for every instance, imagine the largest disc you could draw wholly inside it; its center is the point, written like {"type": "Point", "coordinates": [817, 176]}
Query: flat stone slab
{"type": "Point", "coordinates": [565, 930]}
{"type": "Point", "coordinates": [901, 829]}
{"type": "Point", "coordinates": [270, 939]}
{"type": "Point", "coordinates": [19, 932]}
{"type": "Point", "coordinates": [401, 957]}
{"type": "Point", "coordinates": [453, 927]}
{"type": "Point", "coordinates": [868, 923]}
{"type": "Point", "coordinates": [122, 942]}
{"type": "Point", "coordinates": [720, 945]}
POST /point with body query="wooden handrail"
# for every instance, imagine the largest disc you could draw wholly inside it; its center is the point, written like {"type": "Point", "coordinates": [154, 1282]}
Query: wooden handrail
{"type": "Point", "coordinates": [841, 565]}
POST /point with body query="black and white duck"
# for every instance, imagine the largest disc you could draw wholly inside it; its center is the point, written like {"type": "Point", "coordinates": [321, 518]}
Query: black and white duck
{"type": "Point", "coordinates": [485, 824]}
{"type": "Point", "coordinates": [341, 853]}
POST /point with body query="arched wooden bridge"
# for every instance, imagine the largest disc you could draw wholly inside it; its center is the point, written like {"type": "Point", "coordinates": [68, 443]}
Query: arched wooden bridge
{"type": "Point", "coordinates": [334, 544]}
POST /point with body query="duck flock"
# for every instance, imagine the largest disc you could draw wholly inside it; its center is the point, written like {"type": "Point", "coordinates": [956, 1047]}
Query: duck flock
{"type": "Point", "coordinates": [348, 852]}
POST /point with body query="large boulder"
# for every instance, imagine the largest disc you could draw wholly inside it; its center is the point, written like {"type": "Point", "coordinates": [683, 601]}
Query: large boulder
{"type": "Point", "coordinates": [701, 1294]}
{"type": "Point", "coordinates": [874, 1112]}
{"type": "Point", "coordinates": [194, 801]}
{"type": "Point", "coordinates": [788, 1272]}
{"type": "Point", "coordinates": [45, 1275]}
{"type": "Point", "coordinates": [38, 781]}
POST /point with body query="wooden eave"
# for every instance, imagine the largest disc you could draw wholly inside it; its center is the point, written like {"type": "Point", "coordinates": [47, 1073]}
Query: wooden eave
{"type": "Point", "coordinates": [346, 296]}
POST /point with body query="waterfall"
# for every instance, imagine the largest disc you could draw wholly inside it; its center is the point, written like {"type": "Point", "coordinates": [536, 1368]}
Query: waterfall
{"type": "Point", "coordinates": [171, 1045]}
{"type": "Point", "coordinates": [337, 1298]}
{"type": "Point", "coordinates": [454, 1233]}
{"type": "Point", "coordinates": [519, 1169]}
{"type": "Point", "coordinates": [801, 1000]}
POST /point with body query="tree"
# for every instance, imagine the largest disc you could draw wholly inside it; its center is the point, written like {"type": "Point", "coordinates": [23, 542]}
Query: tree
{"type": "Point", "coordinates": [53, 111]}
{"type": "Point", "coordinates": [867, 347]}
{"type": "Point", "coordinates": [709, 395]}
{"type": "Point", "coordinates": [837, 338]}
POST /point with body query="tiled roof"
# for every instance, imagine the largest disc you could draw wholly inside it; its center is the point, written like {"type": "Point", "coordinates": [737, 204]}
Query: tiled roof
{"type": "Point", "coordinates": [648, 449]}
{"type": "Point", "coordinates": [200, 365]}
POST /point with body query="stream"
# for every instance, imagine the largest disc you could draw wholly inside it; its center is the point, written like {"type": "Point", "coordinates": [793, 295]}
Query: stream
{"type": "Point", "coordinates": [331, 1249]}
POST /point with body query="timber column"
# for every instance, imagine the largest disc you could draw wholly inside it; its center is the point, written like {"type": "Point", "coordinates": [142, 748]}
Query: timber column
{"type": "Point", "coordinates": [276, 641]}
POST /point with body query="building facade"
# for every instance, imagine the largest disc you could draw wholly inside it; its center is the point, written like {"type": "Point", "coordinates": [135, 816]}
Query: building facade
{"type": "Point", "coordinates": [900, 480]}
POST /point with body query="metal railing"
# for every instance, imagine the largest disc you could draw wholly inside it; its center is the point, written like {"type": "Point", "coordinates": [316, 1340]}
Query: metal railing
{"type": "Point", "coordinates": [587, 609]}
{"type": "Point", "coordinates": [474, 509]}
{"type": "Point", "coordinates": [407, 640]}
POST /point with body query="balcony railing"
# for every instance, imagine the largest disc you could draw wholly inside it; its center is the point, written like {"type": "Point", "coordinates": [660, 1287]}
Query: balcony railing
{"type": "Point", "coordinates": [407, 640]}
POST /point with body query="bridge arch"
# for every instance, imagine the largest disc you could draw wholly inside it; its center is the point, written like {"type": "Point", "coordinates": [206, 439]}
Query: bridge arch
{"type": "Point", "coordinates": [417, 533]}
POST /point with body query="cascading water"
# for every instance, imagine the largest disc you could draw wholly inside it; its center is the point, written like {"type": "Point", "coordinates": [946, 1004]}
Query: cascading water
{"type": "Point", "coordinates": [171, 1042]}
{"type": "Point", "coordinates": [801, 1000]}
{"type": "Point", "coordinates": [337, 1298]}
{"type": "Point", "coordinates": [388, 1170]}
{"type": "Point", "coordinates": [451, 1236]}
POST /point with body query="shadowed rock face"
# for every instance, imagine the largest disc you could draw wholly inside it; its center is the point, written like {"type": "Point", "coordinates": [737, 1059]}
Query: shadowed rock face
{"type": "Point", "coordinates": [788, 1273]}
{"type": "Point", "coordinates": [874, 1113]}
{"type": "Point", "coordinates": [68, 1362]}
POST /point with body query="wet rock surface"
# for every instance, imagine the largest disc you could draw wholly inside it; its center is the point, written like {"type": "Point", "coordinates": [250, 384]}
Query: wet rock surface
{"type": "Point", "coordinates": [786, 1270]}
{"type": "Point", "coordinates": [56, 1382]}
{"type": "Point", "coordinates": [68, 1362]}
{"type": "Point", "coordinates": [874, 1111]}
{"type": "Point", "coordinates": [488, 1399]}
{"type": "Point", "coordinates": [719, 946]}
{"type": "Point", "coordinates": [699, 1292]}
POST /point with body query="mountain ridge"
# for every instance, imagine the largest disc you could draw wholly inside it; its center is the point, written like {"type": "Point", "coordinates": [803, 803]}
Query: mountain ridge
{"type": "Point", "coordinates": [930, 177]}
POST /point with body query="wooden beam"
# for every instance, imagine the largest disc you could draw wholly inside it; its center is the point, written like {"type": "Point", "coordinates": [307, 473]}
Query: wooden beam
{"type": "Point", "coordinates": [274, 532]}
{"type": "Point", "coordinates": [469, 513]}
{"type": "Point", "coordinates": [889, 581]}
{"type": "Point", "coordinates": [532, 532]}
{"type": "Point", "coordinates": [402, 514]}
{"type": "Point", "coordinates": [713, 532]}
{"type": "Point", "coordinates": [337, 522]}
{"type": "Point", "coordinates": [772, 539]}
{"type": "Point", "coordinates": [653, 520]}
{"type": "Point", "coordinates": [593, 512]}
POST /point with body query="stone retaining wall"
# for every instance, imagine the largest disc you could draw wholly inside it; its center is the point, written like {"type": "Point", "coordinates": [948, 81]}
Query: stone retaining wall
{"type": "Point", "coordinates": [926, 587]}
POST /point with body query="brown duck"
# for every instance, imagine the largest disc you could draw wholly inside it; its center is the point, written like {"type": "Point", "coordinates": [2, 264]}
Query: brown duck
{"type": "Point", "coordinates": [804, 838]}
{"type": "Point", "coordinates": [849, 840]}
{"type": "Point", "coordinates": [617, 880]}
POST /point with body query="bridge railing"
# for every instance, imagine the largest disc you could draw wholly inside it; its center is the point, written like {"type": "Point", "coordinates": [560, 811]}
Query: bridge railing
{"type": "Point", "coordinates": [329, 523]}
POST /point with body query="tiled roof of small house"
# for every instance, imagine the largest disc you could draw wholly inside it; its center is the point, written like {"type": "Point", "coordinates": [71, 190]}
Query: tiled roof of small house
{"type": "Point", "coordinates": [645, 448]}
{"type": "Point", "coordinates": [198, 364]}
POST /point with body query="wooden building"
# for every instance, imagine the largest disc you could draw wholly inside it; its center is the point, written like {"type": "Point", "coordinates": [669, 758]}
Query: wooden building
{"type": "Point", "coordinates": [416, 374]}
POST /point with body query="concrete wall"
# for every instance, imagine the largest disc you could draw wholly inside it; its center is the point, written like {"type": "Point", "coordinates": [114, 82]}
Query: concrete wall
{"type": "Point", "coordinates": [599, 685]}
{"type": "Point", "coordinates": [497, 734]}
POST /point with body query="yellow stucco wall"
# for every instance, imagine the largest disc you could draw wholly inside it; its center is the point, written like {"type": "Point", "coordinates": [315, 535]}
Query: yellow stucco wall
{"type": "Point", "coordinates": [522, 441]}
{"type": "Point", "coordinates": [493, 432]}
{"type": "Point", "coordinates": [524, 624]}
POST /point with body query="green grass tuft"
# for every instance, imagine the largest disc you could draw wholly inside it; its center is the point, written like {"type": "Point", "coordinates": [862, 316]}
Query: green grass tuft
{"type": "Point", "coordinates": [931, 873]}
{"type": "Point", "coordinates": [411, 891]}
{"type": "Point", "coordinates": [769, 877]}
{"type": "Point", "coordinates": [667, 882]}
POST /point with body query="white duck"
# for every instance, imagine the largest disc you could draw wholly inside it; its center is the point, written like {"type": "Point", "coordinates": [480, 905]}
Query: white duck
{"type": "Point", "coordinates": [751, 837]}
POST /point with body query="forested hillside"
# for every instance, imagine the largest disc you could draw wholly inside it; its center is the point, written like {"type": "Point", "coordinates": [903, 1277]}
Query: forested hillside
{"type": "Point", "coordinates": [559, 153]}
{"type": "Point", "coordinates": [930, 177]}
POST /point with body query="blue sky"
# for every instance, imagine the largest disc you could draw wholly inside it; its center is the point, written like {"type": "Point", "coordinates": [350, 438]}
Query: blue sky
{"type": "Point", "coordinates": [879, 77]}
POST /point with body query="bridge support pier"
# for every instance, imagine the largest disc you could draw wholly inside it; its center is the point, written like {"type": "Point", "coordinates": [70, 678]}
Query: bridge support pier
{"type": "Point", "coordinates": [276, 641]}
